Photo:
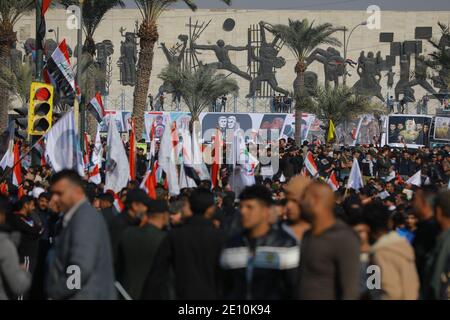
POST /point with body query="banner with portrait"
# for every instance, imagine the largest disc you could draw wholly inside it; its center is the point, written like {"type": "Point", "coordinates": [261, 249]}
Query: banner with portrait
{"type": "Point", "coordinates": [442, 128]}
{"type": "Point", "coordinates": [410, 130]}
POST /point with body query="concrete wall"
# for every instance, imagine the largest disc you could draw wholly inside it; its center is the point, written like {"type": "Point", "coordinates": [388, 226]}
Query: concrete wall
{"type": "Point", "coordinates": [173, 22]}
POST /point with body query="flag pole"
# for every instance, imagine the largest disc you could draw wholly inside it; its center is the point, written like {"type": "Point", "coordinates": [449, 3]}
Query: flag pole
{"type": "Point", "coordinates": [21, 158]}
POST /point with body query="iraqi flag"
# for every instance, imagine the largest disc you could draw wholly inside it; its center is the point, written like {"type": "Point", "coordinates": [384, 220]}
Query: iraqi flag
{"type": "Point", "coordinates": [332, 181]}
{"type": "Point", "coordinates": [96, 107]}
{"type": "Point", "coordinates": [17, 171]}
{"type": "Point", "coordinates": [61, 71]}
{"type": "Point", "coordinates": [311, 165]}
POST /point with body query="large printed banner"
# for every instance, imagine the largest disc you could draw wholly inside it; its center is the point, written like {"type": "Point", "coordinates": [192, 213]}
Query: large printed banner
{"type": "Point", "coordinates": [442, 128]}
{"type": "Point", "coordinates": [412, 130]}
{"type": "Point", "coordinates": [364, 130]}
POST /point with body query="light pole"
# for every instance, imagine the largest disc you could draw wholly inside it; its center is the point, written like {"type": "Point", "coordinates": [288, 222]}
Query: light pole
{"type": "Point", "coordinates": [82, 112]}
{"type": "Point", "coordinates": [346, 42]}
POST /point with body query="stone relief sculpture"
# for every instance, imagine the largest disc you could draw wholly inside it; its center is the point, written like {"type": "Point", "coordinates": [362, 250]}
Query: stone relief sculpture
{"type": "Point", "coordinates": [420, 75]}
{"type": "Point", "coordinates": [104, 50]}
{"type": "Point", "coordinates": [333, 64]}
{"type": "Point", "coordinates": [222, 53]}
{"type": "Point", "coordinates": [268, 60]}
{"type": "Point", "coordinates": [369, 73]}
{"type": "Point", "coordinates": [390, 78]}
{"type": "Point", "coordinates": [128, 58]}
{"type": "Point", "coordinates": [175, 57]}
{"type": "Point", "coordinates": [403, 85]}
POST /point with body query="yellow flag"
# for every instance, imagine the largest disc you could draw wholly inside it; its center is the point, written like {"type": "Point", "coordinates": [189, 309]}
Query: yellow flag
{"type": "Point", "coordinates": [330, 136]}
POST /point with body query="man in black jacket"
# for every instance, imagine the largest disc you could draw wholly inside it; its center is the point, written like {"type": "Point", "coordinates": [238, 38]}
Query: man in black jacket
{"type": "Point", "coordinates": [260, 263]}
{"type": "Point", "coordinates": [192, 252]}
{"type": "Point", "coordinates": [138, 247]}
{"type": "Point", "coordinates": [30, 231]}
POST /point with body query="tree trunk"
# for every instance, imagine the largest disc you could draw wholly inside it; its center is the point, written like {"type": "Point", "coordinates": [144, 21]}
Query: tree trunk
{"type": "Point", "coordinates": [7, 38]}
{"type": "Point", "coordinates": [148, 34]}
{"type": "Point", "coordinates": [90, 119]}
{"type": "Point", "coordinates": [300, 69]}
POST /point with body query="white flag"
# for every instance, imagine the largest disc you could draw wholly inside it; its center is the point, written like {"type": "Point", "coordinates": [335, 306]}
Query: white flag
{"type": "Point", "coordinates": [416, 179]}
{"type": "Point", "coordinates": [97, 158]}
{"type": "Point", "coordinates": [117, 168]}
{"type": "Point", "coordinates": [167, 157]}
{"type": "Point", "coordinates": [199, 164]}
{"type": "Point", "coordinates": [63, 146]}
{"type": "Point", "coordinates": [8, 157]}
{"type": "Point", "coordinates": [355, 180]}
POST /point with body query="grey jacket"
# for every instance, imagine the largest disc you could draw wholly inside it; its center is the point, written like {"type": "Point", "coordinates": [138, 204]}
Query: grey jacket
{"type": "Point", "coordinates": [83, 246]}
{"type": "Point", "coordinates": [13, 279]}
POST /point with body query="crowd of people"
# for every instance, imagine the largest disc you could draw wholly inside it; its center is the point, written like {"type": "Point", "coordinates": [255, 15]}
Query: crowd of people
{"type": "Point", "coordinates": [289, 236]}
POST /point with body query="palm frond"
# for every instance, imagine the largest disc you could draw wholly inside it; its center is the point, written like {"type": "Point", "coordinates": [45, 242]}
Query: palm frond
{"type": "Point", "coordinates": [339, 104]}
{"type": "Point", "coordinates": [12, 10]}
{"type": "Point", "coordinates": [302, 37]}
{"type": "Point", "coordinates": [93, 12]}
{"type": "Point", "coordinates": [198, 88]}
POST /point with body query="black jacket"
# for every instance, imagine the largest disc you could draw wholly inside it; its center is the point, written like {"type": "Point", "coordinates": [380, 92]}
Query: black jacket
{"type": "Point", "coordinates": [30, 232]}
{"type": "Point", "coordinates": [137, 249]}
{"type": "Point", "coordinates": [261, 269]}
{"type": "Point", "coordinates": [192, 251]}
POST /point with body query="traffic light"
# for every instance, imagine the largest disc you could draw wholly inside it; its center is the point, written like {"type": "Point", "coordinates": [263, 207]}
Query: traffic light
{"type": "Point", "coordinates": [22, 122]}
{"type": "Point", "coordinates": [41, 109]}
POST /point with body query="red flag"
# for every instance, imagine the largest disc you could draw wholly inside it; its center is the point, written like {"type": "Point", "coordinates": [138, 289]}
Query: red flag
{"type": "Point", "coordinates": [87, 150]}
{"type": "Point", "coordinates": [217, 158]}
{"type": "Point", "coordinates": [4, 188]}
{"type": "Point", "coordinates": [45, 5]}
{"type": "Point", "coordinates": [132, 153]}
{"type": "Point", "coordinates": [148, 184]}
{"type": "Point", "coordinates": [399, 179]}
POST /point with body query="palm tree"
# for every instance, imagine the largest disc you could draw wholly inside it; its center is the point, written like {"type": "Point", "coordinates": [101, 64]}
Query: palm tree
{"type": "Point", "coordinates": [340, 104]}
{"type": "Point", "coordinates": [439, 59]}
{"type": "Point", "coordinates": [10, 13]}
{"type": "Point", "coordinates": [93, 14]}
{"type": "Point", "coordinates": [150, 10]}
{"type": "Point", "coordinates": [198, 88]}
{"type": "Point", "coordinates": [302, 37]}
{"type": "Point", "coordinates": [18, 83]}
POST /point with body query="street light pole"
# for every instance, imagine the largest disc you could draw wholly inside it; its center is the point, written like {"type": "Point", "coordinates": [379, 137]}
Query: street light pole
{"type": "Point", "coordinates": [346, 43]}
{"type": "Point", "coordinates": [82, 112]}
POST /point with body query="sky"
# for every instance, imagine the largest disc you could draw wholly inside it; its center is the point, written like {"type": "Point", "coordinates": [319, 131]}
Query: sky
{"type": "Point", "coordinates": [406, 5]}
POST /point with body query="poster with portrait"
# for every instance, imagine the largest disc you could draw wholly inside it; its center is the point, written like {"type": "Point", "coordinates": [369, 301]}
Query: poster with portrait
{"type": "Point", "coordinates": [412, 130]}
{"type": "Point", "coordinates": [368, 131]}
{"type": "Point", "coordinates": [289, 125]}
{"type": "Point", "coordinates": [442, 128]}
{"type": "Point", "coordinates": [225, 121]}
{"type": "Point", "coordinates": [159, 119]}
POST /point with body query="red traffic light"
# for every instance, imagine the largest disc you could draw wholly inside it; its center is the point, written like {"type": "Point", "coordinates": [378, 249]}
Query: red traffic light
{"type": "Point", "coordinates": [42, 94]}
